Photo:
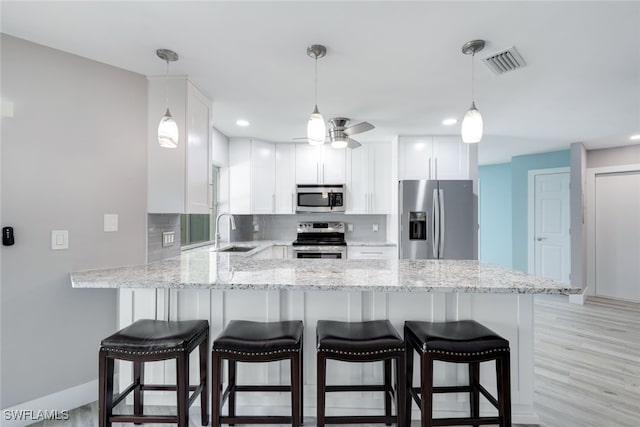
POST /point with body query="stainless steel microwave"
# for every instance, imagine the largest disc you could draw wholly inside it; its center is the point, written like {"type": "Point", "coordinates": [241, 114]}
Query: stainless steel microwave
{"type": "Point", "coordinates": [320, 198]}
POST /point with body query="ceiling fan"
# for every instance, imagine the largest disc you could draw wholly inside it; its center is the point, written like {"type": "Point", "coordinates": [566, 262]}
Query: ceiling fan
{"type": "Point", "coordinates": [339, 134]}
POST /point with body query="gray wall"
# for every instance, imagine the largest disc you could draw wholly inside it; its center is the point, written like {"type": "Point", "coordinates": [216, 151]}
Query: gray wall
{"type": "Point", "coordinates": [613, 156]}
{"type": "Point", "coordinates": [74, 150]}
{"type": "Point", "coordinates": [578, 228]}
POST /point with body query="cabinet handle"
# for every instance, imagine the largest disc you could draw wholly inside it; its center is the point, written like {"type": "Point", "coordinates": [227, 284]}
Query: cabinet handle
{"type": "Point", "coordinates": [293, 205]}
{"type": "Point", "coordinates": [429, 167]}
{"type": "Point", "coordinates": [317, 173]}
{"type": "Point", "coordinates": [323, 174]}
{"type": "Point", "coordinates": [373, 203]}
{"type": "Point", "coordinates": [371, 253]}
{"type": "Point", "coordinates": [436, 167]}
{"type": "Point", "coordinates": [273, 203]}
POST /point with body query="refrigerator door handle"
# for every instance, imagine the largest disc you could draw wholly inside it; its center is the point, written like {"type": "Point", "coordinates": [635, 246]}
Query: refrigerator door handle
{"type": "Point", "coordinates": [435, 220]}
{"type": "Point", "coordinates": [441, 230]}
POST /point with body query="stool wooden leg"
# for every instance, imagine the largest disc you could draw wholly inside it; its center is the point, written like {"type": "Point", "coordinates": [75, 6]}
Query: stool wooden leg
{"type": "Point", "coordinates": [401, 392]}
{"type": "Point", "coordinates": [232, 383]}
{"type": "Point", "coordinates": [138, 395]}
{"type": "Point", "coordinates": [204, 400]}
{"type": "Point", "coordinates": [387, 388]}
{"type": "Point", "coordinates": [105, 392]}
{"type": "Point", "coordinates": [301, 377]}
{"type": "Point", "coordinates": [216, 384]}
{"type": "Point", "coordinates": [426, 390]}
{"type": "Point", "coordinates": [474, 396]}
{"type": "Point", "coordinates": [182, 374]}
{"type": "Point", "coordinates": [321, 382]}
{"type": "Point", "coordinates": [295, 390]}
{"type": "Point", "coordinates": [408, 357]}
{"type": "Point", "coordinates": [503, 372]}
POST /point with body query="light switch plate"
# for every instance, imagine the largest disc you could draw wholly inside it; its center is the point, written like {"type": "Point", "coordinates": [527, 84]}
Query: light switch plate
{"type": "Point", "coordinates": [168, 238]}
{"type": "Point", "coordinates": [110, 222]}
{"type": "Point", "coordinates": [59, 239]}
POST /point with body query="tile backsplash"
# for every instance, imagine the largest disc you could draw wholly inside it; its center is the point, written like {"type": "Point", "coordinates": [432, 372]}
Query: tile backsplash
{"type": "Point", "coordinates": [283, 227]}
{"type": "Point", "coordinates": [156, 225]}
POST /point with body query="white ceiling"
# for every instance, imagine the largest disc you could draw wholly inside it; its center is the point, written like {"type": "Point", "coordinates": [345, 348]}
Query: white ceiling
{"type": "Point", "coordinates": [395, 64]}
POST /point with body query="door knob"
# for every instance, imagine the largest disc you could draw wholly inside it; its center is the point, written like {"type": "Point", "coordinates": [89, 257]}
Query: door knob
{"type": "Point", "coordinates": [539, 239]}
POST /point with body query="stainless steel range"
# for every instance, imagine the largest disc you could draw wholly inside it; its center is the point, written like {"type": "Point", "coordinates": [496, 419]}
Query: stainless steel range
{"type": "Point", "coordinates": [320, 240]}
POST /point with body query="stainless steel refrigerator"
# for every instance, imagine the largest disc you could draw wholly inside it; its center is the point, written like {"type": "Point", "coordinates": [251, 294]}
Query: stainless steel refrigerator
{"type": "Point", "coordinates": [436, 219]}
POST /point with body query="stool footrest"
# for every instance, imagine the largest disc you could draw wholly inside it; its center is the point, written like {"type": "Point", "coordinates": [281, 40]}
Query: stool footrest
{"type": "Point", "coordinates": [158, 387]}
{"type": "Point", "coordinates": [250, 388]}
{"type": "Point", "coordinates": [330, 388]}
{"type": "Point", "coordinates": [465, 421]}
{"type": "Point", "coordinates": [143, 419]}
{"type": "Point", "coordinates": [360, 419]}
{"type": "Point", "coordinates": [255, 419]}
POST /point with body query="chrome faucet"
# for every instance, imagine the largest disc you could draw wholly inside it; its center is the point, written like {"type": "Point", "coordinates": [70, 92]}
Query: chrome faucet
{"type": "Point", "coordinates": [216, 241]}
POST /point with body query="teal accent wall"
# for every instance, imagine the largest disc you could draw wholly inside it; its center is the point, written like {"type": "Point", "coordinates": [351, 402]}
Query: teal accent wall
{"type": "Point", "coordinates": [495, 214]}
{"type": "Point", "coordinates": [520, 167]}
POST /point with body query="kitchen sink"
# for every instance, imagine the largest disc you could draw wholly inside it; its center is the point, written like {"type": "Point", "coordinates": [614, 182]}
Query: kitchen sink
{"type": "Point", "coordinates": [238, 249]}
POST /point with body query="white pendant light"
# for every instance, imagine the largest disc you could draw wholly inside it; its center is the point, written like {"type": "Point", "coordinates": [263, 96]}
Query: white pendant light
{"type": "Point", "coordinates": [316, 127]}
{"type": "Point", "coordinates": [168, 134]}
{"type": "Point", "coordinates": [472, 124]}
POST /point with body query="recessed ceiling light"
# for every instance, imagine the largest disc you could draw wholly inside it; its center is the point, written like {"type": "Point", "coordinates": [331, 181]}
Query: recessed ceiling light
{"type": "Point", "coordinates": [635, 137]}
{"type": "Point", "coordinates": [449, 122]}
{"type": "Point", "coordinates": [242, 122]}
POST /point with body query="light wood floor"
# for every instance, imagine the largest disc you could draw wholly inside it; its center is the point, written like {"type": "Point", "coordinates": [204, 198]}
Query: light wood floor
{"type": "Point", "coordinates": [587, 367]}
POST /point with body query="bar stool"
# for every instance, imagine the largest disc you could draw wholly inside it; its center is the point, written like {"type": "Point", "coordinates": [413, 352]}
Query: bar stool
{"type": "Point", "coordinates": [150, 341]}
{"type": "Point", "coordinates": [465, 341]}
{"type": "Point", "coordinates": [245, 341]}
{"type": "Point", "coordinates": [370, 341]}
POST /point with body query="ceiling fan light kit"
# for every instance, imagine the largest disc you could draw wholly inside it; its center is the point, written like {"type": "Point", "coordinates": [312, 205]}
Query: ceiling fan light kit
{"type": "Point", "coordinates": [316, 127]}
{"type": "Point", "coordinates": [472, 126]}
{"type": "Point", "coordinates": [168, 134]}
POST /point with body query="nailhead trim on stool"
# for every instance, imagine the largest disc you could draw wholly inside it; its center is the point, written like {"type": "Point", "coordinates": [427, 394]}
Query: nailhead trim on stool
{"type": "Point", "coordinates": [244, 341]}
{"type": "Point", "coordinates": [439, 341]}
{"type": "Point", "coordinates": [148, 340]}
{"type": "Point", "coordinates": [370, 341]}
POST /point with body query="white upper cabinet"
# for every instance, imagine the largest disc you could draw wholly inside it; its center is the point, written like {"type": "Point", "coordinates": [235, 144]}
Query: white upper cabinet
{"type": "Point", "coordinates": [369, 179]}
{"type": "Point", "coordinates": [239, 176]}
{"type": "Point", "coordinates": [320, 165]}
{"type": "Point", "coordinates": [179, 178]}
{"type": "Point", "coordinates": [263, 177]}
{"type": "Point", "coordinates": [285, 178]}
{"type": "Point", "coordinates": [434, 157]}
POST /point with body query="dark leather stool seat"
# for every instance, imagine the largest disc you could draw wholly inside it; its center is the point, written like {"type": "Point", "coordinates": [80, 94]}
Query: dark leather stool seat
{"type": "Point", "coordinates": [245, 341]}
{"type": "Point", "coordinates": [465, 341]}
{"type": "Point", "coordinates": [371, 341]}
{"type": "Point", "coordinates": [149, 340]}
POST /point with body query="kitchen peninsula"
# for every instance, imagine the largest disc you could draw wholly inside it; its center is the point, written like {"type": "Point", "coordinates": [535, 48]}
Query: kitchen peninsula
{"type": "Point", "coordinates": [262, 285]}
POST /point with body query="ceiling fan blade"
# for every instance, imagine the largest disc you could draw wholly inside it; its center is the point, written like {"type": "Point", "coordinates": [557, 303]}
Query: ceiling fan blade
{"type": "Point", "coordinates": [300, 139]}
{"type": "Point", "coordinates": [352, 143]}
{"type": "Point", "coordinates": [359, 128]}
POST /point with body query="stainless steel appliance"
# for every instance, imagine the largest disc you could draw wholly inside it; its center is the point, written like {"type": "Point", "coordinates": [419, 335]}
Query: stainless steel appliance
{"type": "Point", "coordinates": [436, 219]}
{"type": "Point", "coordinates": [320, 198]}
{"type": "Point", "coordinates": [320, 240]}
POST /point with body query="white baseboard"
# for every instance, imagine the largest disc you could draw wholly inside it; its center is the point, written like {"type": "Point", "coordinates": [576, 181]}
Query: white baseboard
{"type": "Point", "coordinates": [51, 405]}
{"type": "Point", "coordinates": [578, 298]}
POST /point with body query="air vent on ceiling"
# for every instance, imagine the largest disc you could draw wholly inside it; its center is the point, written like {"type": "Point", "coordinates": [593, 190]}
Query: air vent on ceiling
{"type": "Point", "coordinates": [507, 60]}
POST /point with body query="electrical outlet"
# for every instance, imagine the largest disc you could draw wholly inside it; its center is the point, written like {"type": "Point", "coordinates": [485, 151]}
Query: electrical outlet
{"type": "Point", "coordinates": [350, 227]}
{"type": "Point", "coordinates": [59, 239]}
{"type": "Point", "coordinates": [256, 227]}
{"type": "Point", "coordinates": [375, 228]}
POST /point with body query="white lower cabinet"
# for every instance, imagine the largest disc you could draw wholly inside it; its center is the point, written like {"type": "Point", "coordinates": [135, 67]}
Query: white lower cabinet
{"type": "Point", "coordinates": [372, 252]}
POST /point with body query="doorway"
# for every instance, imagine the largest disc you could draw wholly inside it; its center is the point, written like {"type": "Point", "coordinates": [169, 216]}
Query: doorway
{"type": "Point", "coordinates": [549, 224]}
{"type": "Point", "coordinates": [617, 235]}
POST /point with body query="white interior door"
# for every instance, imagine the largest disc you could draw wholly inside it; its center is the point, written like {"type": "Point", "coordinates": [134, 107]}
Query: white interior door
{"type": "Point", "coordinates": [552, 242]}
{"type": "Point", "coordinates": [617, 236]}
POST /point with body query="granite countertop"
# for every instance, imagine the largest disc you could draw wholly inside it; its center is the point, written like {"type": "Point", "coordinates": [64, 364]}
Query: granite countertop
{"type": "Point", "coordinates": [204, 268]}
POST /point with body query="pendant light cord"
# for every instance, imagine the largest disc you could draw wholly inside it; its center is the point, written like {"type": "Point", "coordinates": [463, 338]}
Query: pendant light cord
{"type": "Point", "coordinates": [316, 92]}
{"type": "Point", "coordinates": [473, 94]}
{"type": "Point", "coordinates": [166, 81]}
